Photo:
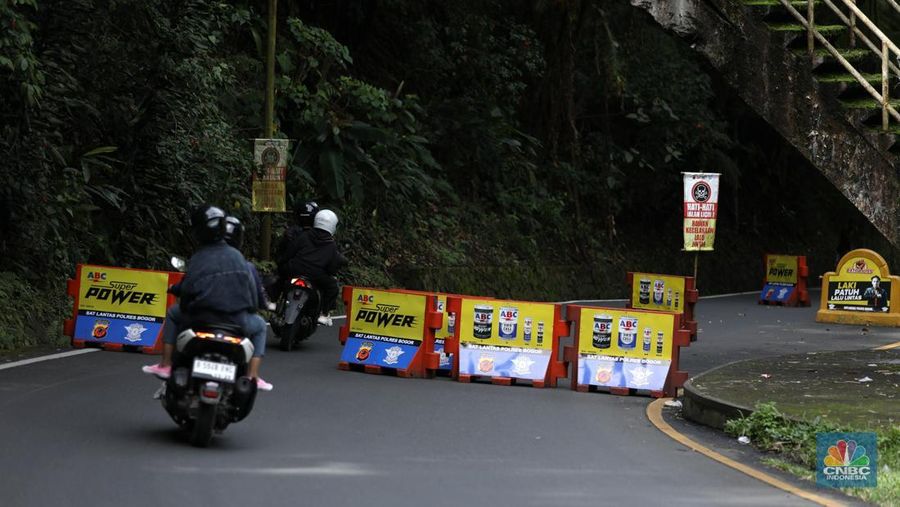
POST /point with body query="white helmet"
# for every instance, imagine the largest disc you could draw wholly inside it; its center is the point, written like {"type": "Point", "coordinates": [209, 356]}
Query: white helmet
{"type": "Point", "coordinates": [326, 220]}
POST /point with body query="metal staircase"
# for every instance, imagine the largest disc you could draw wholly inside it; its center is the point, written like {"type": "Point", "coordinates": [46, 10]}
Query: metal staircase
{"type": "Point", "coordinates": [821, 73]}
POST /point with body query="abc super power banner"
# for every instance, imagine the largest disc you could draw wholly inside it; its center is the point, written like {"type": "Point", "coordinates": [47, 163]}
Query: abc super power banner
{"type": "Point", "coordinates": [624, 348]}
{"type": "Point", "coordinates": [270, 157]}
{"type": "Point", "coordinates": [701, 203]}
{"type": "Point", "coordinates": [500, 338]}
{"type": "Point", "coordinates": [126, 306]}
{"type": "Point", "coordinates": [386, 328]}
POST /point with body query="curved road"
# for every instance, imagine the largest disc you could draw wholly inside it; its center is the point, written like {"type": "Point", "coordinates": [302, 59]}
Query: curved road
{"type": "Point", "coordinates": [83, 431]}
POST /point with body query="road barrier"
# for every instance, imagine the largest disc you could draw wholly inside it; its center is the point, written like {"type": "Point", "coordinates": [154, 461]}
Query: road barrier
{"type": "Point", "coordinates": [861, 291]}
{"type": "Point", "coordinates": [785, 280]}
{"type": "Point", "coordinates": [626, 351]}
{"type": "Point", "coordinates": [119, 308]}
{"type": "Point", "coordinates": [506, 341]}
{"type": "Point", "coordinates": [665, 293]}
{"type": "Point", "coordinates": [388, 331]}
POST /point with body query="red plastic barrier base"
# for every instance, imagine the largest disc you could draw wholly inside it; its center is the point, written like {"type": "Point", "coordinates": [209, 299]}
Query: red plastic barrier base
{"type": "Point", "coordinates": [115, 347]}
{"type": "Point", "coordinates": [501, 381]}
{"type": "Point", "coordinates": [619, 391]}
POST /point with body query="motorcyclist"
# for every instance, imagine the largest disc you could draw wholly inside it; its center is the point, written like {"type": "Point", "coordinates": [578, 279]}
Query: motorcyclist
{"type": "Point", "coordinates": [304, 214]}
{"type": "Point", "coordinates": [234, 236]}
{"type": "Point", "coordinates": [217, 288]}
{"type": "Point", "coordinates": [317, 257]}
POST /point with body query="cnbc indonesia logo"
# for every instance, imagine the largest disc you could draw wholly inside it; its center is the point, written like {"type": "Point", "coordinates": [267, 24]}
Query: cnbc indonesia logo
{"type": "Point", "coordinates": [849, 462]}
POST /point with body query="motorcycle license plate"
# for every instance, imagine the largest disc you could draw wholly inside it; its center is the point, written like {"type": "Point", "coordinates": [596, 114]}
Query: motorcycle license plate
{"type": "Point", "coordinates": [214, 371]}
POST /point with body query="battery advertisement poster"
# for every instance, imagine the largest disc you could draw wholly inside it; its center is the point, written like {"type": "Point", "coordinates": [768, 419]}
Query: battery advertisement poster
{"type": "Point", "coordinates": [662, 293]}
{"type": "Point", "coordinates": [624, 348]}
{"type": "Point", "coordinates": [268, 183]}
{"type": "Point", "coordinates": [501, 338]}
{"type": "Point", "coordinates": [125, 306]}
{"type": "Point", "coordinates": [859, 286]}
{"type": "Point", "coordinates": [701, 203]}
{"type": "Point", "coordinates": [386, 328]}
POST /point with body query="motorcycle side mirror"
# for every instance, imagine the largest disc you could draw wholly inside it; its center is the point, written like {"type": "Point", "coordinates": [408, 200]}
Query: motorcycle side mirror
{"type": "Point", "coordinates": [178, 263]}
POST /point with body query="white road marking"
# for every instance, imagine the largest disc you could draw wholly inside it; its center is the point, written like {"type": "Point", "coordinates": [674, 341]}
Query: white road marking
{"type": "Point", "coordinates": [46, 358]}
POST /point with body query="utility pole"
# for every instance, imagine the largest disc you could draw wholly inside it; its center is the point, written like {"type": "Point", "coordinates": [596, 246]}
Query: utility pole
{"type": "Point", "coordinates": [269, 131]}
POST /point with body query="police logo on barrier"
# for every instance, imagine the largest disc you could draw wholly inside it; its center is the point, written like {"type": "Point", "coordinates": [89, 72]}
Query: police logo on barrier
{"type": "Point", "coordinates": [392, 355]}
{"type": "Point", "coordinates": [522, 365]}
{"type": "Point", "coordinates": [134, 330]}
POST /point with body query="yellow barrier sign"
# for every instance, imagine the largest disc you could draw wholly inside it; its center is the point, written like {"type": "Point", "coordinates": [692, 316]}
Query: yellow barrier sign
{"type": "Point", "coordinates": [506, 323]}
{"type": "Point", "coordinates": [123, 291]}
{"type": "Point", "coordinates": [620, 333]}
{"type": "Point", "coordinates": [860, 291]}
{"type": "Point", "coordinates": [781, 269]}
{"type": "Point", "coordinates": [658, 292]}
{"type": "Point", "coordinates": [391, 314]}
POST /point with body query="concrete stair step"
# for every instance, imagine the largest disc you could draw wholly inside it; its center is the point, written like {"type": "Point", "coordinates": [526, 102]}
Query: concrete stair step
{"type": "Point", "coordinates": [792, 27]}
{"type": "Point", "coordinates": [847, 78]}
{"type": "Point", "coordinates": [867, 103]}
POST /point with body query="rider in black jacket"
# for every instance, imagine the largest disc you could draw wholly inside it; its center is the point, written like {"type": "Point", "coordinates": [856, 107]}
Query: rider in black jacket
{"type": "Point", "coordinates": [217, 288]}
{"type": "Point", "coordinates": [315, 255]}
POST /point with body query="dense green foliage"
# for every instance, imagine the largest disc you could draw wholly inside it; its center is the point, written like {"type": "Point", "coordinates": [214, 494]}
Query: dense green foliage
{"type": "Point", "coordinates": [498, 147]}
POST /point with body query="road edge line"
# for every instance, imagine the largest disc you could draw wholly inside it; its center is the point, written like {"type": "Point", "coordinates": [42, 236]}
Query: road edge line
{"type": "Point", "coordinates": [654, 414]}
{"type": "Point", "coordinates": [889, 346]}
{"type": "Point", "coordinates": [49, 357]}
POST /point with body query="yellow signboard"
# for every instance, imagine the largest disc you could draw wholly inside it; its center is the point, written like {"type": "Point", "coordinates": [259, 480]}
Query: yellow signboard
{"type": "Point", "coordinates": [268, 185]}
{"type": "Point", "coordinates": [624, 333]}
{"type": "Point", "coordinates": [657, 292]}
{"type": "Point", "coordinates": [382, 313]}
{"type": "Point", "coordinates": [123, 291]}
{"type": "Point", "coordinates": [781, 269]}
{"type": "Point", "coordinates": [860, 291]}
{"type": "Point", "coordinates": [506, 323]}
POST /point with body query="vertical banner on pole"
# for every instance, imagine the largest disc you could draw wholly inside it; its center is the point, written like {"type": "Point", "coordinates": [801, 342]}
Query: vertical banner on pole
{"type": "Point", "coordinates": [701, 203]}
{"type": "Point", "coordinates": [270, 157]}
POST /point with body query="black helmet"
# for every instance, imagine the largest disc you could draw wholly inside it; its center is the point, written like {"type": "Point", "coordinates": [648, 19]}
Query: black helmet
{"type": "Point", "coordinates": [306, 212]}
{"type": "Point", "coordinates": [208, 224]}
{"type": "Point", "coordinates": [234, 232]}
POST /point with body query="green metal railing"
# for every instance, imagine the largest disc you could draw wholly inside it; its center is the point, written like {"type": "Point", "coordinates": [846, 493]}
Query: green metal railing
{"type": "Point", "coordinates": [856, 21]}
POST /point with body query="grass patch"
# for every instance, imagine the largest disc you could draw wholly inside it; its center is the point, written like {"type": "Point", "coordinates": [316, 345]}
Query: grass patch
{"type": "Point", "coordinates": [794, 443]}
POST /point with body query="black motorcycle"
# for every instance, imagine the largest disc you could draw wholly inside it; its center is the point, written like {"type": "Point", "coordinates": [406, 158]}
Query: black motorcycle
{"type": "Point", "coordinates": [296, 315]}
{"type": "Point", "coordinates": [208, 388]}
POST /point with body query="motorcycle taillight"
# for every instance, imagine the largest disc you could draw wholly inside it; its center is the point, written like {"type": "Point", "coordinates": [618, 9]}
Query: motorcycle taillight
{"type": "Point", "coordinates": [299, 282]}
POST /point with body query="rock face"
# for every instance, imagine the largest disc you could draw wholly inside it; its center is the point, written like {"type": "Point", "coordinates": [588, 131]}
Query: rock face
{"type": "Point", "coordinates": [780, 85]}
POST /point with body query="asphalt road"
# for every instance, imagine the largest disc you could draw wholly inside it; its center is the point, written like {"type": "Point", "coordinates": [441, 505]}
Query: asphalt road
{"type": "Point", "coordinates": [84, 431]}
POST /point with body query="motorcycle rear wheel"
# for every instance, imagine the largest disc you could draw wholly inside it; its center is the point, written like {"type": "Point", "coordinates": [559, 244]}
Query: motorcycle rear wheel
{"type": "Point", "coordinates": [202, 432]}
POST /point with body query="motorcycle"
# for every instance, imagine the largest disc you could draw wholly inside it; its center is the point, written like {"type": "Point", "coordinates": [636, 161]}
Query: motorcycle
{"type": "Point", "coordinates": [296, 314]}
{"type": "Point", "coordinates": [208, 388]}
